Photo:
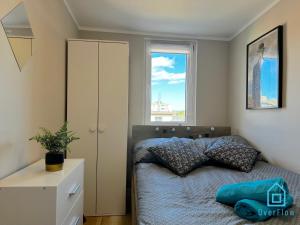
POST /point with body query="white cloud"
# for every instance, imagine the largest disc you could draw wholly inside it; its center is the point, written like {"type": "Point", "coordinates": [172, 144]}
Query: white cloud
{"type": "Point", "coordinates": [164, 75]}
{"type": "Point", "coordinates": [159, 72]}
{"type": "Point", "coordinates": [176, 81]}
{"type": "Point", "coordinates": [268, 102]}
{"type": "Point", "coordinates": [160, 62]}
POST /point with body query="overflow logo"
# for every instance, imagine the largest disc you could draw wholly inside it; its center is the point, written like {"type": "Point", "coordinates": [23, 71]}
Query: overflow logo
{"type": "Point", "coordinates": [275, 198]}
{"type": "Point", "coordinates": [277, 202]}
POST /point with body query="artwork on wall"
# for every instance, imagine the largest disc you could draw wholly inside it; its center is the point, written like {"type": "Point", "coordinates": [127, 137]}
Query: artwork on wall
{"type": "Point", "coordinates": [264, 71]}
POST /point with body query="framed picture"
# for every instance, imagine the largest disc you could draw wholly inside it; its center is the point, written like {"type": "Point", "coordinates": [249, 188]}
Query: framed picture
{"type": "Point", "coordinates": [264, 71]}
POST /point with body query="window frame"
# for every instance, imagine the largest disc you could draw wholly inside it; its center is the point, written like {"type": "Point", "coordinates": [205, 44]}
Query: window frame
{"type": "Point", "coordinates": [191, 82]}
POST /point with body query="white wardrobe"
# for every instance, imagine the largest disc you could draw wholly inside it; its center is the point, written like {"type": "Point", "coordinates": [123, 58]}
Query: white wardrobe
{"type": "Point", "coordinates": [97, 110]}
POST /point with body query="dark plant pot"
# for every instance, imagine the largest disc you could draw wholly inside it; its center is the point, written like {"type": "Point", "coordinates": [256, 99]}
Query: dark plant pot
{"type": "Point", "coordinates": [54, 161]}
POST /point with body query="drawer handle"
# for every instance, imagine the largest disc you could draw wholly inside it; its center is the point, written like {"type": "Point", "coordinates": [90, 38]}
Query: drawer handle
{"type": "Point", "coordinates": [74, 190]}
{"type": "Point", "coordinates": [75, 221]}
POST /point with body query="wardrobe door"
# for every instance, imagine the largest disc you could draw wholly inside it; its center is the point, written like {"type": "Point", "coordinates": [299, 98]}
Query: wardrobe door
{"type": "Point", "coordinates": [112, 128]}
{"type": "Point", "coordinates": [83, 112]}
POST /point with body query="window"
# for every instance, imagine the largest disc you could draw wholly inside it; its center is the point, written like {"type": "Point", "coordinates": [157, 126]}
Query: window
{"type": "Point", "coordinates": [171, 82]}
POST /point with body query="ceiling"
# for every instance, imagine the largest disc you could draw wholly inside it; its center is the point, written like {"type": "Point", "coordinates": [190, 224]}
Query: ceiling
{"type": "Point", "coordinates": [204, 19]}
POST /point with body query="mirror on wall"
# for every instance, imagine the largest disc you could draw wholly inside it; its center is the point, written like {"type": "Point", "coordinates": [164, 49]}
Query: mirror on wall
{"type": "Point", "coordinates": [19, 34]}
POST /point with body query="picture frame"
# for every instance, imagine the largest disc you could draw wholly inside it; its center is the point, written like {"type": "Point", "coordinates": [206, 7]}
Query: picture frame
{"type": "Point", "coordinates": [265, 71]}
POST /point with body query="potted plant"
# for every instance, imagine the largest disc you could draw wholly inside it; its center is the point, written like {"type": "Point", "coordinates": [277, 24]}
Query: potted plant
{"type": "Point", "coordinates": [56, 144]}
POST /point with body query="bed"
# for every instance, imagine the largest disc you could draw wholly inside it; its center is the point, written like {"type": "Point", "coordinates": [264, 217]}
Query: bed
{"type": "Point", "coordinates": [162, 198]}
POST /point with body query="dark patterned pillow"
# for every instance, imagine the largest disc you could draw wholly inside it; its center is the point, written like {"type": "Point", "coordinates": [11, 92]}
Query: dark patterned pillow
{"type": "Point", "coordinates": [235, 138]}
{"type": "Point", "coordinates": [141, 153]}
{"type": "Point", "coordinates": [232, 154]}
{"type": "Point", "coordinates": [239, 139]}
{"type": "Point", "coordinates": [179, 156]}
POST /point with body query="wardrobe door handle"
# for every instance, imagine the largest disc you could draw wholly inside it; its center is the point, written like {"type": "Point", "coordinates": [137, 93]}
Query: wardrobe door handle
{"type": "Point", "coordinates": [101, 129]}
{"type": "Point", "coordinates": [92, 129]}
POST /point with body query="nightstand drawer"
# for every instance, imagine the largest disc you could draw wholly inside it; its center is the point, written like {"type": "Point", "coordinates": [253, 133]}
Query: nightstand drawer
{"type": "Point", "coordinates": [76, 213]}
{"type": "Point", "coordinates": [33, 196]}
{"type": "Point", "coordinates": [68, 192]}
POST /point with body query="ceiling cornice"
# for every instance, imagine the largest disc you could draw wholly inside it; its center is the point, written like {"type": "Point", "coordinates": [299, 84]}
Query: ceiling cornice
{"type": "Point", "coordinates": [267, 9]}
{"type": "Point", "coordinates": [72, 14]}
{"type": "Point", "coordinates": [155, 34]}
{"type": "Point", "coordinates": [86, 28]}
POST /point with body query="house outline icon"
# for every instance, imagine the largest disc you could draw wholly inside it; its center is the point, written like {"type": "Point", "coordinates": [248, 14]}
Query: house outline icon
{"type": "Point", "coordinates": [282, 196]}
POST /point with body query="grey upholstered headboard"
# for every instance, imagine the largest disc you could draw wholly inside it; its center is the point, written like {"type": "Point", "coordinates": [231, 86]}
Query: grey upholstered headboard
{"type": "Point", "coordinates": [141, 132]}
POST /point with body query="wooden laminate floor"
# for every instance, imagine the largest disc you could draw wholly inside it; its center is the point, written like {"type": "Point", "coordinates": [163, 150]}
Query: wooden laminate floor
{"type": "Point", "coordinates": [109, 220]}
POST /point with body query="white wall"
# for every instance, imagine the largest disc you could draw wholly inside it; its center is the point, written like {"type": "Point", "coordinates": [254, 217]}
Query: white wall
{"type": "Point", "coordinates": [211, 78]}
{"type": "Point", "coordinates": [34, 97]}
{"type": "Point", "coordinates": [274, 132]}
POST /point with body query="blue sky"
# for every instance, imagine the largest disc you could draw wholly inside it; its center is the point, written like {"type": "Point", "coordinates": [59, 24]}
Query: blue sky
{"type": "Point", "coordinates": [168, 78]}
{"type": "Point", "coordinates": [269, 78]}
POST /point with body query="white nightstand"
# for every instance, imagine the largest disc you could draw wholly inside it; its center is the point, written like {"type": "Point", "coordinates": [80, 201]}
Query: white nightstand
{"type": "Point", "coordinates": [33, 196]}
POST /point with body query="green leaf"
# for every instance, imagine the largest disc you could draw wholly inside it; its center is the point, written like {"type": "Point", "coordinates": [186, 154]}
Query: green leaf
{"type": "Point", "coordinates": [55, 142]}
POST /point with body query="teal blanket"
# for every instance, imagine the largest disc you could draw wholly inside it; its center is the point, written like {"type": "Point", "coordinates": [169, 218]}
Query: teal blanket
{"type": "Point", "coordinates": [257, 190]}
{"type": "Point", "coordinates": [256, 211]}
